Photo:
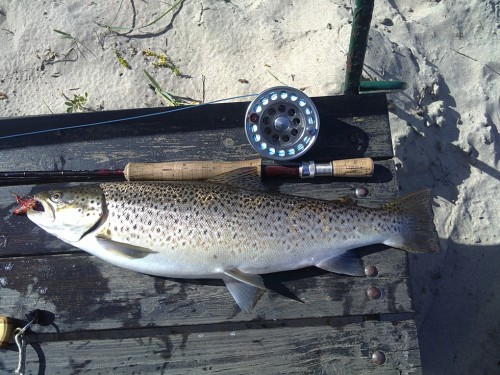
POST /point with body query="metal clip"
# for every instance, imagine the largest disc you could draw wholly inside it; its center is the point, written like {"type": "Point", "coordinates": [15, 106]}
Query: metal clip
{"type": "Point", "coordinates": [22, 342]}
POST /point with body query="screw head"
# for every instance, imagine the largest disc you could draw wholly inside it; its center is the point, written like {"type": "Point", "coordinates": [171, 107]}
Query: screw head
{"type": "Point", "coordinates": [371, 271]}
{"type": "Point", "coordinates": [378, 357]}
{"type": "Point", "coordinates": [374, 293]}
{"type": "Point", "coordinates": [361, 192]}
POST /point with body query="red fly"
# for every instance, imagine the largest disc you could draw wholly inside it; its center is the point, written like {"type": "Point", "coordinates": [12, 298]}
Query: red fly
{"type": "Point", "coordinates": [25, 204]}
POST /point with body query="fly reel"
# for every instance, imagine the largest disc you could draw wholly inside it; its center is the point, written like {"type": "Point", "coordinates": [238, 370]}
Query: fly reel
{"type": "Point", "coordinates": [282, 123]}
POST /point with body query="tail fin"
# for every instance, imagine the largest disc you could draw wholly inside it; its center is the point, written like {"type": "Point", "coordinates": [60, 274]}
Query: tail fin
{"type": "Point", "coordinates": [419, 235]}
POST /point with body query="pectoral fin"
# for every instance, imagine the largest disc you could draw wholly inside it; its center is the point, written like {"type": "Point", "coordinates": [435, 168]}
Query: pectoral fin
{"type": "Point", "coordinates": [347, 263]}
{"type": "Point", "coordinates": [124, 249]}
{"type": "Point", "coordinates": [242, 287]}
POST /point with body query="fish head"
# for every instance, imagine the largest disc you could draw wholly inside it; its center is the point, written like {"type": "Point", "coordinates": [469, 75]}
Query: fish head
{"type": "Point", "coordinates": [68, 213]}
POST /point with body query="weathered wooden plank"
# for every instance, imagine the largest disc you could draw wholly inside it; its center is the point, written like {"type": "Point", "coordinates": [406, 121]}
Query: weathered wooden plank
{"type": "Point", "coordinates": [351, 126]}
{"type": "Point", "coordinates": [316, 349]}
{"type": "Point", "coordinates": [19, 236]}
{"type": "Point", "coordinates": [211, 134]}
{"type": "Point", "coordinates": [85, 293]}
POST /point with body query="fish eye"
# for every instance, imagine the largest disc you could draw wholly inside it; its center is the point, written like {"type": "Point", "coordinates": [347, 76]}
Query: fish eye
{"type": "Point", "coordinates": [56, 197]}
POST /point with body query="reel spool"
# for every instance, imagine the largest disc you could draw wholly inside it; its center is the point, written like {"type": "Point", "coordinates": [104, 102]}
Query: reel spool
{"type": "Point", "coordinates": [282, 123]}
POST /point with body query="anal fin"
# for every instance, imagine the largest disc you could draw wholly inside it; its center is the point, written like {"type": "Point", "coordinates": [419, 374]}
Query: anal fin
{"type": "Point", "coordinates": [246, 278]}
{"type": "Point", "coordinates": [242, 287]}
{"type": "Point", "coordinates": [348, 263]}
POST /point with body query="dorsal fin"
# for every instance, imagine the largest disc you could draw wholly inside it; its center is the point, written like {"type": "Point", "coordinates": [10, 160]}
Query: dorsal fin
{"type": "Point", "coordinates": [243, 178]}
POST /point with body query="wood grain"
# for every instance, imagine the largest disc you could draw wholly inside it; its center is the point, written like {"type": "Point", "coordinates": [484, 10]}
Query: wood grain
{"type": "Point", "coordinates": [316, 349]}
{"type": "Point", "coordinates": [85, 293]}
{"type": "Point", "coordinates": [100, 319]}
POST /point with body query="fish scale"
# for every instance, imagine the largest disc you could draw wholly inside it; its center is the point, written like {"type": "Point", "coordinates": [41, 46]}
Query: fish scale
{"type": "Point", "coordinates": [233, 222]}
{"type": "Point", "coordinates": [214, 230]}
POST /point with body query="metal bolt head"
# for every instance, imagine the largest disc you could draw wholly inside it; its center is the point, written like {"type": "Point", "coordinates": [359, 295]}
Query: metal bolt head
{"type": "Point", "coordinates": [361, 192]}
{"type": "Point", "coordinates": [281, 123]}
{"type": "Point", "coordinates": [374, 293]}
{"type": "Point", "coordinates": [371, 271]}
{"type": "Point", "coordinates": [378, 357]}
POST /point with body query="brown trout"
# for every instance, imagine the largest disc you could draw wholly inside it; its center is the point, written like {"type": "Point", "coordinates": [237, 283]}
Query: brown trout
{"type": "Point", "coordinates": [210, 230]}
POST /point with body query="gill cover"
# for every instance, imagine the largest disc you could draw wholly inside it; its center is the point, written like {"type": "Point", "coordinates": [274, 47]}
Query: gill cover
{"type": "Point", "coordinates": [69, 213]}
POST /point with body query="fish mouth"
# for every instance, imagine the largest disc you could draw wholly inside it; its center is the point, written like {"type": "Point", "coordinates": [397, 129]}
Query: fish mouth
{"type": "Point", "coordinates": [41, 207]}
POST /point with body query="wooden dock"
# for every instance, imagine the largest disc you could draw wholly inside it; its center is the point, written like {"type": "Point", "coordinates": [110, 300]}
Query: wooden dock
{"type": "Point", "coordinates": [95, 318]}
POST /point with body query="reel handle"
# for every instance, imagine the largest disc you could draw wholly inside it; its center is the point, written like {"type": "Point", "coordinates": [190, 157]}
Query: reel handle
{"type": "Point", "coordinates": [184, 170]}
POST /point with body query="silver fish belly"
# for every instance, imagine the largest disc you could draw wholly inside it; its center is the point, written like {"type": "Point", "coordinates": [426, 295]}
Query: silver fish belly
{"type": "Point", "coordinates": [204, 230]}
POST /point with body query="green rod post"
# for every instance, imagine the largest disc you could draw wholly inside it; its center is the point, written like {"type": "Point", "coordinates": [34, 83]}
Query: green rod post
{"type": "Point", "coordinates": [363, 11]}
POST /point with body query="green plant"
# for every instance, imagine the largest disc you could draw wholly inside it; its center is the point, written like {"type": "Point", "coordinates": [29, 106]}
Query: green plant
{"type": "Point", "coordinates": [162, 61]}
{"type": "Point", "coordinates": [276, 78]}
{"type": "Point", "coordinates": [75, 43]}
{"type": "Point", "coordinates": [166, 97]}
{"type": "Point", "coordinates": [77, 103]}
{"type": "Point", "coordinates": [122, 60]}
{"type": "Point", "coordinates": [118, 29]}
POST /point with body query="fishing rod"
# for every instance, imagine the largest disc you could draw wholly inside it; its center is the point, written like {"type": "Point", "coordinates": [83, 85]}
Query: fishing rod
{"type": "Point", "coordinates": [195, 170]}
{"type": "Point", "coordinates": [281, 124]}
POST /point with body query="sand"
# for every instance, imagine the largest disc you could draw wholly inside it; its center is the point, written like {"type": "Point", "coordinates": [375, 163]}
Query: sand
{"type": "Point", "coordinates": [445, 125]}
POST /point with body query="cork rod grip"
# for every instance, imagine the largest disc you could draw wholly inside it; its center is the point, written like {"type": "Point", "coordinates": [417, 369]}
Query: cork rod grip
{"type": "Point", "coordinates": [361, 167]}
{"type": "Point", "coordinates": [184, 170]}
